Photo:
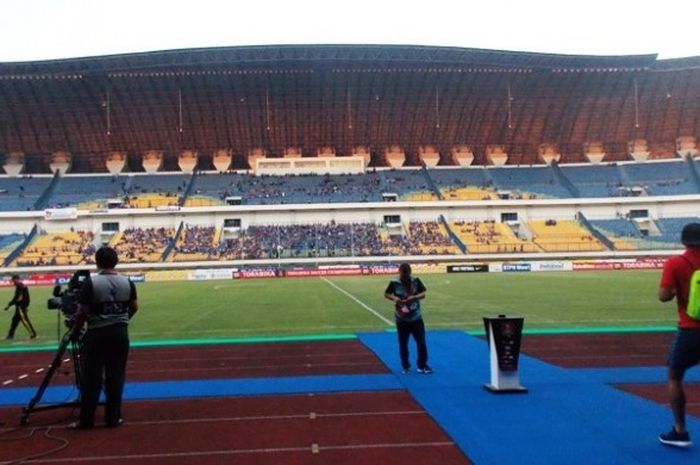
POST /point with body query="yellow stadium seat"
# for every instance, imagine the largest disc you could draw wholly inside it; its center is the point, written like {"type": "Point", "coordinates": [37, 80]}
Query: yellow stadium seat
{"type": "Point", "coordinates": [490, 237]}
{"type": "Point", "coordinates": [563, 236]}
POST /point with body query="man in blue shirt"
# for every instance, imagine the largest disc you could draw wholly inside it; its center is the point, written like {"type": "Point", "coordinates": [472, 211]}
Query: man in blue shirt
{"type": "Point", "coordinates": [406, 292]}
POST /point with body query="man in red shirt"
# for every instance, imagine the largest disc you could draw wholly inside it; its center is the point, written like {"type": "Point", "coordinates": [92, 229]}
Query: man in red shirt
{"type": "Point", "coordinates": [685, 349]}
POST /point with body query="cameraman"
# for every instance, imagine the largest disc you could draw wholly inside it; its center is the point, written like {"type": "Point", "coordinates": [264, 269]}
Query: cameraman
{"type": "Point", "coordinates": [21, 303]}
{"type": "Point", "coordinates": [107, 302]}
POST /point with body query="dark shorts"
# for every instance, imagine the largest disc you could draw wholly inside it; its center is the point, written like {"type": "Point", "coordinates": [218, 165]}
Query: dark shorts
{"type": "Point", "coordinates": [685, 349]}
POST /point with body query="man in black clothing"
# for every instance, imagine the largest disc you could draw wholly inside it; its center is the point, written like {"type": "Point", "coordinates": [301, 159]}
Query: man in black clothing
{"type": "Point", "coordinates": [21, 302]}
{"type": "Point", "coordinates": [406, 292]}
{"type": "Point", "coordinates": [107, 302]}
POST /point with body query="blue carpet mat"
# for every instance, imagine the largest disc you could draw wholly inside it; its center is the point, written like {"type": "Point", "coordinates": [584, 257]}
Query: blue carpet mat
{"type": "Point", "coordinates": [218, 388]}
{"type": "Point", "coordinates": [568, 416]}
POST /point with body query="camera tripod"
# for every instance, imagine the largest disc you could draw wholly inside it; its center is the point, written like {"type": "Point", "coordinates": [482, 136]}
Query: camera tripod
{"type": "Point", "coordinates": [67, 343]}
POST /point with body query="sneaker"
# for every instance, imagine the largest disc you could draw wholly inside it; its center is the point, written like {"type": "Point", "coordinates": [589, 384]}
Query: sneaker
{"type": "Point", "coordinates": [426, 370]}
{"type": "Point", "coordinates": [674, 438]}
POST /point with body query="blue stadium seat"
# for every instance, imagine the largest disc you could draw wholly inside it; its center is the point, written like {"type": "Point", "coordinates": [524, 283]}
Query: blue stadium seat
{"type": "Point", "coordinates": [534, 180]}
{"type": "Point", "coordinates": [21, 193]}
{"type": "Point", "coordinates": [74, 190]}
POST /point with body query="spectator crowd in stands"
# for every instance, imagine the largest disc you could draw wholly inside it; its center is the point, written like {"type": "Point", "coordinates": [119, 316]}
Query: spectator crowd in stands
{"type": "Point", "coordinates": [334, 239]}
{"type": "Point", "coordinates": [198, 242]}
{"type": "Point", "coordinates": [70, 248]}
{"type": "Point", "coordinates": [143, 245]}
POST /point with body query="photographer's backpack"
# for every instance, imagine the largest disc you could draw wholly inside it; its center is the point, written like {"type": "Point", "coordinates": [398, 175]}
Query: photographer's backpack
{"type": "Point", "coordinates": [693, 308]}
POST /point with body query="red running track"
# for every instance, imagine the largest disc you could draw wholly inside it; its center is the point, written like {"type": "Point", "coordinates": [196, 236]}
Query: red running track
{"type": "Point", "coordinates": [386, 428]}
{"type": "Point", "coordinates": [659, 393]}
{"type": "Point", "coordinates": [600, 350]}
{"type": "Point", "coordinates": [211, 362]}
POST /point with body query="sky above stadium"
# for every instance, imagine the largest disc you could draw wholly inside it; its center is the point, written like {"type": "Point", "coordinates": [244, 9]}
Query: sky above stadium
{"type": "Point", "coordinates": [53, 29]}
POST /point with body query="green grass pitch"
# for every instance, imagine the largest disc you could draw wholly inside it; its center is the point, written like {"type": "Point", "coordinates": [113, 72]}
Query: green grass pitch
{"type": "Point", "coordinates": [312, 306]}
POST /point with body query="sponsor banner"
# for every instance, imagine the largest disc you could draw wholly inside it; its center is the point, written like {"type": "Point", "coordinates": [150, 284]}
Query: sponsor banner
{"type": "Point", "coordinates": [63, 280]}
{"type": "Point", "coordinates": [338, 267]}
{"type": "Point", "coordinates": [56, 214]}
{"type": "Point", "coordinates": [428, 268]}
{"type": "Point", "coordinates": [551, 266]}
{"type": "Point", "coordinates": [593, 266]}
{"type": "Point", "coordinates": [416, 269]}
{"type": "Point", "coordinates": [136, 278]}
{"type": "Point", "coordinates": [643, 264]}
{"type": "Point", "coordinates": [381, 269]}
{"type": "Point", "coordinates": [199, 275]}
{"type": "Point", "coordinates": [648, 264]}
{"type": "Point", "coordinates": [516, 267]}
{"type": "Point", "coordinates": [210, 274]}
{"type": "Point", "coordinates": [294, 273]}
{"type": "Point", "coordinates": [48, 279]}
{"type": "Point", "coordinates": [133, 277]}
{"type": "Point", "coordinates": [223, 273]}
{"type": "Point", "coordinates": [167, 275]}
{"type": "Point", "coordinates": [256, 273]}
{"type": "Point", "coordinates": [470, 268]}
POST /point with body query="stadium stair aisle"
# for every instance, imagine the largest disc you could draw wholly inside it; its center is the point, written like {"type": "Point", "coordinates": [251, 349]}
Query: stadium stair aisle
{"type": "Point", "coordinates": [43, 199]}
{"type": "Point", "coordinates": [564, 181]}
{"type": "Point", "coordinates": [172, 242]}
{"type": "Point", "coordinates": [188, 190]}
{"type": "Point", "coordinates": [594, 232]}
{"type": "Point", "coordinates": [431, 183]}
{"type": "Point", "coordinates": [20, 248]}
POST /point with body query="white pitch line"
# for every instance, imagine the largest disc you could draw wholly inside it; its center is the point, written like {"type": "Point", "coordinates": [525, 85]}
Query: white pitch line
{"type": "Point", "coordinates": [9, 381]}
{"type": "Point", "coordinates": [361, 303]}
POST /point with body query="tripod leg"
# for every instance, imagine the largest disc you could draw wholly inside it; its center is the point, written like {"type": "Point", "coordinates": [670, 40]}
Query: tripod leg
{"type": "Point", "coordinates": [55, 364]}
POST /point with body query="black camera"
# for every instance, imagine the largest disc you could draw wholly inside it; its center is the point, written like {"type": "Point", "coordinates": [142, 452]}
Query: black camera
{"type": "Point", "coordinates": [66, 301]}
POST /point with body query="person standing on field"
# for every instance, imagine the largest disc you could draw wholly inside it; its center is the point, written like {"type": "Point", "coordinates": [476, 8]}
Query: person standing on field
{"type": "Point", "coordinates": [107, 302]}
{"type": "Point", "coordinates": [406, 292]}
{"type": "Point", "coordinates": [21, 303]}
{"type": "Point", "coordinates": [685, 349]}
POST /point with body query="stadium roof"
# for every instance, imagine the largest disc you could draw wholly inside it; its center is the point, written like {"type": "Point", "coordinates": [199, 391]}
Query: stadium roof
{"type": "Point", "coordinates": [308, 98]}
{"type": "Point", "coordinates": [290, 55]}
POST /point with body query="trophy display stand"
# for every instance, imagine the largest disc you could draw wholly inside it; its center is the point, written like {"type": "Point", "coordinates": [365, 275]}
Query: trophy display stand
{"type": "Point", "coordinates": [504, 335]}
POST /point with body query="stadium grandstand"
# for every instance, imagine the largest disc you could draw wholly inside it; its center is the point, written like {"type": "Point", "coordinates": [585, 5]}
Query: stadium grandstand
{"type": "Point", "coordinates": [249, 153]}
